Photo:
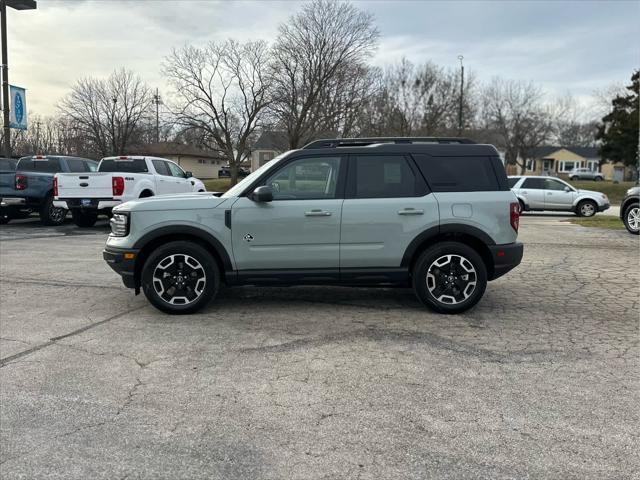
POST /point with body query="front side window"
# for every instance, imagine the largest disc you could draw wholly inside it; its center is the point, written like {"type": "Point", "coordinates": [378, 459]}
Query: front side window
{"type": "Point", "coordinates": [533, 183]}
{"type": "Point", "coordinates": [306, 178]}
{"type": "Point", "coordinates": [550, 184]}
{"type": "Point", "coordinates": [384, 176]}
{"type": "Point", "coordinates": [175, 170]}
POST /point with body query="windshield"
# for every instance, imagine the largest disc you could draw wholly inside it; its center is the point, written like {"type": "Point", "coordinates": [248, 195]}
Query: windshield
{"type": "Point", "coordinates": [248, 180]}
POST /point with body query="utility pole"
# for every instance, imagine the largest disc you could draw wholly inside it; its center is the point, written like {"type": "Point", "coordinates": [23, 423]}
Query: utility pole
{"type": "Point", "coordinates": [18, 5]}
{"type": "Point", "coordinates": [156, 100]}
{"type": "Point", "coordinates": [460, 120]}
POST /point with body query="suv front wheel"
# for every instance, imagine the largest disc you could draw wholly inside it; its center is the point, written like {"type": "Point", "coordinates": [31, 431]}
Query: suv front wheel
{"type": "Point", "coordinates": [180, 277]}
{"type": "Point", "coordinates": [449, 277]}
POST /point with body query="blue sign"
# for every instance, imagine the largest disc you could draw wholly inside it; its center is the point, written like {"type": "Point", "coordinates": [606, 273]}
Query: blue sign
{"type": "Point", "coordinates": [18, 108]}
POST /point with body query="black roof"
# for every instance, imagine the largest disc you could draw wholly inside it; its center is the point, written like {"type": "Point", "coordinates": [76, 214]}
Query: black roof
{"type": "Point", "coordinates": [585, 152]}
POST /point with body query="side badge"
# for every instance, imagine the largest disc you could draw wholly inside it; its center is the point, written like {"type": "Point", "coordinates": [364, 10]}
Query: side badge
{"type": "Point", "coordinates": [248, 237]}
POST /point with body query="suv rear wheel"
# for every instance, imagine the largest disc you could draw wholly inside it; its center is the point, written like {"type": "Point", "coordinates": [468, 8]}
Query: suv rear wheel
{"type": "Point", "coordinates": [180, 277]}
{"type": "Point", "coordinates": [449, 277]}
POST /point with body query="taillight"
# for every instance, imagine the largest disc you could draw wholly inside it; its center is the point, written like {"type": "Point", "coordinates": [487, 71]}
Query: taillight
{"type": "Point", "coordinates": [55, 186]}
{"type": "Point", "coordinates": [117, 184]}
{"type": "Point", "coordinates": [21, 182]}
{"type": "Point", "coordinates": [514, 215]}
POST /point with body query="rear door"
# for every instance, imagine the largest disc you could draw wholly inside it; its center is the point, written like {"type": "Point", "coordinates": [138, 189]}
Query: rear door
{"type": "Point", "coordinates": [164, 177]}
{"type": "Point", "coordinates": [387, 204]}
{"type": "Point", "coordinates": [532, 191]}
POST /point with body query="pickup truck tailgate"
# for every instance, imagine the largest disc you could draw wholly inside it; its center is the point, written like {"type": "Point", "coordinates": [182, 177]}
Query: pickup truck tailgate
{"type": "Point", "coordinates": [85, 185]}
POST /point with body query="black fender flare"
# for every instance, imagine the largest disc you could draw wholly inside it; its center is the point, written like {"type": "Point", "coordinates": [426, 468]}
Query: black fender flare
{"type": "Point", "coordinates": [444, 229]}
{"type": "Point", "coordinates": [188, 231]}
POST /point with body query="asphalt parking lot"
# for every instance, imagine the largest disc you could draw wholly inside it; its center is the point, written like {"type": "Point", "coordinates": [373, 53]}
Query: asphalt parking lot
{"type": "Point", "coordinates": [540, 380]}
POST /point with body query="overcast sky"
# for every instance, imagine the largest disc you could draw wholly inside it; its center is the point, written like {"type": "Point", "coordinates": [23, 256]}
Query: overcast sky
{"type": "Point", "coordinates": [568, 47]}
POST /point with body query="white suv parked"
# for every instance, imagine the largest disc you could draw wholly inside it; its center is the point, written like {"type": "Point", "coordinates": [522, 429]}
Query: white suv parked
{"type": "Point", "coordinates": [547, 193]}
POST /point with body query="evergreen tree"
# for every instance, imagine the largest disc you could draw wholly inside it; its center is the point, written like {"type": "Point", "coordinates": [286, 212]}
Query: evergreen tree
{"type": "Point", "coordinates": [619, 129]}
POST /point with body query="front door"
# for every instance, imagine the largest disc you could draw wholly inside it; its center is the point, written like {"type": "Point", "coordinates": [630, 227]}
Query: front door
{"type": "Point", "coordinates": [556, 198]}
{"type": "Point", "coordinates": [300, 228]}
{"type": "Point", "coordinates": [180, 182]}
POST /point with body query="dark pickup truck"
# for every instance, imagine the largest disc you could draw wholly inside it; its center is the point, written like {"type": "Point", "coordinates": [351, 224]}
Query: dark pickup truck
{"type": "Point", "coordinates": [29, 187]}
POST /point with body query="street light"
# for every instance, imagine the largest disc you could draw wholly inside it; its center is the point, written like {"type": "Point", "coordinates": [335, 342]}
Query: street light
{"type": "Point", "coordinates": [17, 5]}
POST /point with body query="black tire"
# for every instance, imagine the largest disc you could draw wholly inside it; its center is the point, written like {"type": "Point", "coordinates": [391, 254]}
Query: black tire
{"type": "Point", "coordinates": [573, 179]}
{"type": "Point", "coordinates": [598, 179]}
{"type": "Point", "coordinates": [586, 208]}
{"type": "Point", "coordinates": [430, 279]}
{"type": "Point", "coordinates": [632, 210]}
{"type": "Point", "coordinates": [4, 217]}
{"type": "Point", "coordinates": [50, 215]}
{"type": "Point", "coordinates": [179, 277]}
{"type": "Point", "coordinates": [522, 206]}
{"type": "Point", "coordinates": [146, 194]}
{"type": "Point", "coordinates": [84, 219]}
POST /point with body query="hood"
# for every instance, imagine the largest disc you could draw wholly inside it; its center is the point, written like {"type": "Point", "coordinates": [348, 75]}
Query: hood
{"type": "Point", "coordinates": [181, 201]}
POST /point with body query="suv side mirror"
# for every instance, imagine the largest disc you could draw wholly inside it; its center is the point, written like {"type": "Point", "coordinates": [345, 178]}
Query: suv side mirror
{"type": "Point", "coordinates": [188, 174]}
{"type": "Point", "coordinates": [262, 194]}
{"type": "Point", "coordinates": [567, 189]}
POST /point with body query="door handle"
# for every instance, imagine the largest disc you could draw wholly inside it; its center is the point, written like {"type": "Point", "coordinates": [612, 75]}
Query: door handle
{"type": "Point", "coordinates": [410, 211]}
{"type": "Point", "coordinates": [317, 213]}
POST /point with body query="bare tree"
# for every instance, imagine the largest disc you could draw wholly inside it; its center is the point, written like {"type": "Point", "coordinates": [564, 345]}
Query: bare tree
{"type": "Point", "coordinates": [516, 112]}
{"type": "Point", "coordinates": [320, 53]}
{"type": "Point", "coordinates": [418, 101]}
{"type": "Point", "coordinates": [110, 112]}
{"type": "Point", "coordinates": [222, 91]}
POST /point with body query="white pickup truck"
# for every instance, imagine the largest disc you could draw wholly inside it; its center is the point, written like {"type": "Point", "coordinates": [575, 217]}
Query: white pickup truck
{"type": "Point", "coordinates": [118, 180]}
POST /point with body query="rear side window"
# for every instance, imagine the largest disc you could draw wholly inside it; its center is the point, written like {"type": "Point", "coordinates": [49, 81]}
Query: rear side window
{"type": "Point", "coordinates": [512, 182]}
{"type": "Point", "coordinates": [126, 165]}
{"type": "Point", "coordinates": [383, 176]}
{"type": "Point", "coordinates": [48, 165]}
{"type": "Point", "coordinates": [458, 174]}
{"type": "Point", "coordinates": [91, 166]}
{"type": "Point", "coordinates": [161, 167]}
{"type": "Point", "coordinates": [534, 183]}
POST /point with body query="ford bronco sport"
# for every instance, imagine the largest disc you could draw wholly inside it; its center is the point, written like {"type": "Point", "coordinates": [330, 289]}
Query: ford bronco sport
{"type": "Point", "coordinates": [436, 214]}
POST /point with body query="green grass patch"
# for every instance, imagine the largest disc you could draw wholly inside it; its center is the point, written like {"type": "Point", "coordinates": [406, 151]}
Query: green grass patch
{"type": "Point", "coordinates": [615, 191]}
{"type": "Point", "coordinates": [599, 221]}
{"type": "Point", "coordinates": [217, 184]}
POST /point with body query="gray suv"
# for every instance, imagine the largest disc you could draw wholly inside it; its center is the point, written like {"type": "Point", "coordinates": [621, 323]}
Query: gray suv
{"type": "Point", "coordinates": [585, 174]}
{"type": "Point", "coordinates": [435, 214]}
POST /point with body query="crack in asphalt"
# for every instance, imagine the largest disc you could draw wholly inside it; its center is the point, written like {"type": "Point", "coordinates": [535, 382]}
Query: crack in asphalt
{"type": "Point", "coordinates": [52, 341]}
{"type": "Point", "coordinates": [51, 283]}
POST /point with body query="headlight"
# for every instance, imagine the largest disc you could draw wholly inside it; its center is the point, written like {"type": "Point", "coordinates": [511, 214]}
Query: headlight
{"type": "Point", "coordinates": [120, 224]}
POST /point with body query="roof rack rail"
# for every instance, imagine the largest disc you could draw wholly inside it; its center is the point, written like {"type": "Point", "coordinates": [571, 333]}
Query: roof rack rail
{"type": "Point", "coordinates": [363, 142]}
